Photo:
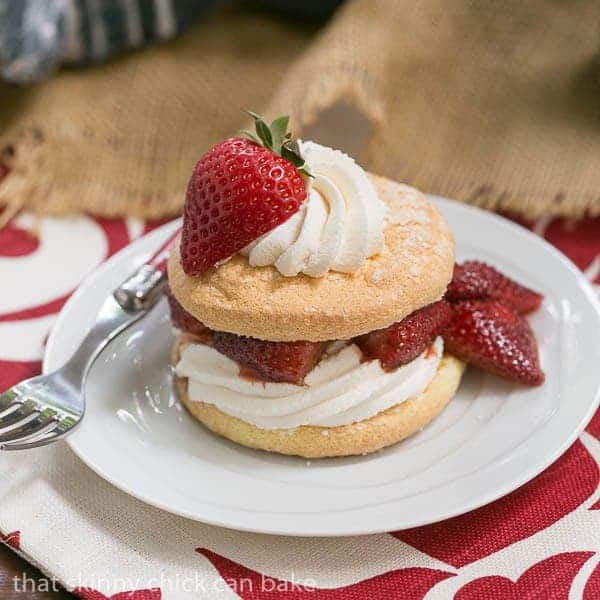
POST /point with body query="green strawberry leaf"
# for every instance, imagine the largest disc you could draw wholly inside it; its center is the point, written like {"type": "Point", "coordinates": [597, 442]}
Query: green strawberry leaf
{"type": "Point", "coordinates": [278, 131]}
{"type": "Point", "coordinates": [264, 133]}
{"type": "Point", "coordinates": [279, 139]}
{"type": "Point", "coordinates": [252, 136]}
{"type": "Point", "coordinates": [262, 129]}
{"type": "Point", "coordinates": [290, 150]}
{"type": "Point", "coordinates": [305, 169]}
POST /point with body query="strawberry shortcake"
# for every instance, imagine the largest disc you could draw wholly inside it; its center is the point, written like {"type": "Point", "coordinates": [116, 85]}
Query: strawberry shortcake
{"type": "Point", "coordinates": [318, 308]}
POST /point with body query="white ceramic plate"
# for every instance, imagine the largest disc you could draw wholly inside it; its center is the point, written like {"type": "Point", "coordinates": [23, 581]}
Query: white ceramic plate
{"type": "Point", "coordinates": [492, 438]}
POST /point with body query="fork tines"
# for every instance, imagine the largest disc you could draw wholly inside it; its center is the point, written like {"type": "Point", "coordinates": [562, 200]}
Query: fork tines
{"type": "Point", "coordinates": [24, 423]}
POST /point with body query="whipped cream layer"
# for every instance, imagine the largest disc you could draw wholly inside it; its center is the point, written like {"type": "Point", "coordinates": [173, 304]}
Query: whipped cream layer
{"type": "Point", "coordinates": [340, 390]}
{"type": "Point", "coordinates": [337, 228]}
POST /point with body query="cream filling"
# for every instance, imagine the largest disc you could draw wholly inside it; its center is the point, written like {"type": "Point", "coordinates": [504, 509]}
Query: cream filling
{"type": "Point", "coordinates": [337, 228]}
{"type": "Point", "coordinates": [340, 390]}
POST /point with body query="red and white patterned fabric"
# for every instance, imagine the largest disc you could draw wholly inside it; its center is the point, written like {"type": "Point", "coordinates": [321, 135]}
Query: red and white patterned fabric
{"type": "Point", "coordinates": [541, 541]}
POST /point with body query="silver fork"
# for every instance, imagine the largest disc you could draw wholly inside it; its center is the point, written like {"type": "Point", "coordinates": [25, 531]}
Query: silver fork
{"type": "Point", "coordinates": [44, 409]}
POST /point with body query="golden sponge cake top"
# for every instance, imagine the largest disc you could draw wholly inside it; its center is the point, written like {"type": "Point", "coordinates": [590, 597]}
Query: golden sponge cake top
{"type": "Point", "coordinates": [412, 271]}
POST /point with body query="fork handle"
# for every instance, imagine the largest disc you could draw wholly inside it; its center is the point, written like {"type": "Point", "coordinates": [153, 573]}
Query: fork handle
{"type": "Point", "coordinates": [136, 296]}
{"type": "Point", "coordinates": [140, 291]}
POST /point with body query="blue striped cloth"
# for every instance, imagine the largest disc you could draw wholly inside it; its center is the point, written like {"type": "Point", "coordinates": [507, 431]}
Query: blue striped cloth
{"type": "Point", "coordinates": [38, 35]}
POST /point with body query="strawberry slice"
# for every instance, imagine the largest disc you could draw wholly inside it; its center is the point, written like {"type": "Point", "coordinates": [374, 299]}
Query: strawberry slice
{"type": "Point", "coordinates": [185, 321]}
{"type": "Point", "coordinates": [402, 342]}
{"type": "Point", "coordinates": [287, 362]}
{"type": "Point", "coordinates": [476, 280]}
{"type": "Point", "coordinates": [268, 361]}
{"type": "Point", "coordinates": [493, 336]}
{"type": "Point", "coordinates": [239, 190]}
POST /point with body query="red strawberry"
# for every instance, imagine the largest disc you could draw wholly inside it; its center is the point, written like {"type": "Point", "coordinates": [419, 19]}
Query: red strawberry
{"type": "Point", "coordinates": [288, 362]}
{"type": "Point", "coordinates": [491, 335]}
{"type": "Point", "coordinates": [475, 280]}
{"type": "Point", "coordinates": [239, 190]}
{"type": "Point", "coordinates": [185, 321]}
{"type": "Point", "coordinates": [402, 342]}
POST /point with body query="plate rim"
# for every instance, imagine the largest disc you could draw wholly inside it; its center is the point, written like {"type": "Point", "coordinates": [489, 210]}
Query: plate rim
{"type": "Point", "coordinates": [482, 500]}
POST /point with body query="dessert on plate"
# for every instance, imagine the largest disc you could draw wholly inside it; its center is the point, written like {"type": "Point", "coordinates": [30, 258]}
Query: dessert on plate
{"type": "Point", "coordinates": [318, 308]}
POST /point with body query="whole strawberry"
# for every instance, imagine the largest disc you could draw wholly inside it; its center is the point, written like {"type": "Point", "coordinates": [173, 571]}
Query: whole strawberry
{"type": "Point", "coordinates": [239, 190]}
{"type": "Point", "coordinates": [402, 342]}
{"type": "Point", "coordinates": [476, 280]}
{"type": "Point", "coordinates": [493, 336]}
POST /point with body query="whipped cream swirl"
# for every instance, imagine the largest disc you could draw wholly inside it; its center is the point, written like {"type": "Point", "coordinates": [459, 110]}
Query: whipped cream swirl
{"type": "Point", "coordinates": [337, 228]}
{"type": "Point", "coordinates": [340, 390]}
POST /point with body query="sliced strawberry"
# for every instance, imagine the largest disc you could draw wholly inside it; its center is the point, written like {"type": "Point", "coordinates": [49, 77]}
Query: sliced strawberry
{"type": "Point", "coordinates": [476, 280]}
{"type": "Point", "coordinates": [185, 321]}
{"type": "Point", "coordinates": [239, 190]}
{"type": "Point", "coordinates": [287, 362]}
{"type": "Point", "coordinates": [491, 335]}
{"type": "Point", "coordinates": [402, 342]}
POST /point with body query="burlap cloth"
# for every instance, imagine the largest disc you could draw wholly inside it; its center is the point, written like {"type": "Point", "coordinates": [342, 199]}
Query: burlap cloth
{"type": "Point", "coordinates": [496, 103]}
